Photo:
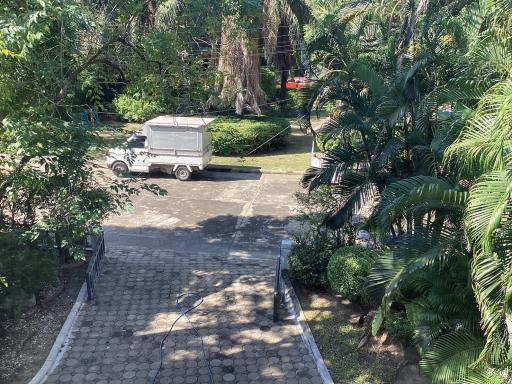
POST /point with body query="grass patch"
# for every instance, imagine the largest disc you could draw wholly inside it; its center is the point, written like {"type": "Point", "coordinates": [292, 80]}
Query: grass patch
{"type": "Point", "coordinates": [294, 157]}
{"type": "Point", "coordinates": [114, 133]}
{"type": "Point", "coordinates": [328, 317]}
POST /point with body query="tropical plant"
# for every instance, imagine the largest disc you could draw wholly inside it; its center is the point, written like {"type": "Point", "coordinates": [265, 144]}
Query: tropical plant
{"type": "Point", "coordinates": [308, 263]}
{"type": "Point", "coordinates": [423, 127]}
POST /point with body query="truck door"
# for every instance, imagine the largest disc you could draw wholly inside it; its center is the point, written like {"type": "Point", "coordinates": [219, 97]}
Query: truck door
{"type": "Point", "coordinates": [138, 153]}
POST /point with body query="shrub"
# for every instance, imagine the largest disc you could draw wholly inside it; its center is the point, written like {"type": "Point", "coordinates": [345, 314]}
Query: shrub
{"type": "Point", "coordinates": [308, 263]}
{"type": "Point", "coordinates": [25, 269]}
{"type": "Point", "coordinates": [399, 326]}
{"type": "Point", "coordinates": [241, 135]}
{"type": "Point", "coordinates": [315, 207]}
{"type": "Point", "coordinates": [269, 82]}
{"type": "Point", "coordinates": [347, 272]}
{"type": "Point", "coordinates": [135, 108]}
{"type": "Point", "coordinates": [295, 99]}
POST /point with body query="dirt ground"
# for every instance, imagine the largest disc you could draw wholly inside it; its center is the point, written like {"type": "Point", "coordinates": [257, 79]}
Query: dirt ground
{"type": "Point", "coordinates": [335, 326]}
{"type": "Point", "coordinates": [29, 338]}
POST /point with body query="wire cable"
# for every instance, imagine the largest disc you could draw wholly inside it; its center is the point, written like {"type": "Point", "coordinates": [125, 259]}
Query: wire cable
{"type": "Point", "coordinates": [184, 311]}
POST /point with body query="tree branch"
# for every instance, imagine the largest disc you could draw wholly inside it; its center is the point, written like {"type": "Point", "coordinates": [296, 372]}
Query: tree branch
{"type": "Point", "coordinates": [139, 52]}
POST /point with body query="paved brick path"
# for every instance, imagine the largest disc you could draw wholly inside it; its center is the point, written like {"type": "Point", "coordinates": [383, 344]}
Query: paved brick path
{"type": "Point", "coordinates": [117, 340]}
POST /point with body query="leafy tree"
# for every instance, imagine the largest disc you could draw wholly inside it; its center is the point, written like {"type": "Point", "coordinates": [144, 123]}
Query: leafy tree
{"type": "Point", "coordinates": [50, 187]}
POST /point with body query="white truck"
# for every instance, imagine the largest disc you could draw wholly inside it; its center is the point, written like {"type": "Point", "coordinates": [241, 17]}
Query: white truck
{"type": "Point", "coordinates": [171, 144]}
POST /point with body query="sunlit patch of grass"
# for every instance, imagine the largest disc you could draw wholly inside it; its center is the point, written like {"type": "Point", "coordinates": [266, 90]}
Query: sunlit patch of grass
{"type": "Point", "coordinates": [295, 157]}
{"type": "Point", "coordinates": [337, 340]}
{"type": "Point", "coordinates": [112, 134]}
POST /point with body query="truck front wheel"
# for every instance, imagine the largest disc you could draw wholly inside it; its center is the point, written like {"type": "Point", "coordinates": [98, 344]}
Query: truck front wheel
{"type": "Point", "coordinates": [182, 173]}
{"type": "Point", "coordinates": [119, 168]}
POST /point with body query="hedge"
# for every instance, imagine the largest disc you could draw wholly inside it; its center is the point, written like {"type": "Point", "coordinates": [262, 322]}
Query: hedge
{"type": "Point", "coordinates": [241, 135]}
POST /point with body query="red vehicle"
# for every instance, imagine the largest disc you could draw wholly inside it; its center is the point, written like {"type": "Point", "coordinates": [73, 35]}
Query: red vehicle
{"type": "Point", "coordinates": [296, 83]}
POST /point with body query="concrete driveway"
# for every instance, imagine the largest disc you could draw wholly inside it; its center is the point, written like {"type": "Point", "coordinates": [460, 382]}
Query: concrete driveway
{"type": "Point", "coordinates": [220, 213]}
{"type": "Point", "coordinates": [219, 237]}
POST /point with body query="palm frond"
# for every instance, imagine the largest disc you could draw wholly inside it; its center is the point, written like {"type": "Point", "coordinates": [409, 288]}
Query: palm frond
{"type": "Point", "coordinates": [371, 77]}
{"type": "Point", "coordinates": [445, 304]}
{"type": "Point", "coordinates": [489, 200]}
{"type": "Point", "coordinates": [390, 150]}
{"type": "Point", "coordinates": [450, 357]}
{"type": "Point", "coordinates": [486, 375]}
{"type": "Point", "coordinates": [355, 190]}
{"type": "Point", "coordinates": [409, 254]}
{"type": "Point", "coordinates": [347, 121]}
{"type": "Point", "coordinates": [335, 164]}
{"type": "Point", "coordinates": [422, 193]}
{"type": "Point", "coordinates": [486, 142]}
{"type": "Point", "coordinates": [492, 275]}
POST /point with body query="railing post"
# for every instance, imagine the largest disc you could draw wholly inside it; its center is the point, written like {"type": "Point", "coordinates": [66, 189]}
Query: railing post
{"type": "Point", "coordinates": [277, 291]}
{"type": "Point", "coordinates": [282, 264]}
{"type": "Point", "coordinates": [96, 246]}
{"type": "Point", "coordinates": [286, 250]}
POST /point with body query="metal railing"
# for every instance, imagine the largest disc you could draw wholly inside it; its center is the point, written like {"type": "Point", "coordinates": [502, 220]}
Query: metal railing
{"type": "Point", "coordinates": [282, 264]}
{"type": "Point", "coordinates": [278, 297]}
{"type": "Point", "coordinates": [95, 246]}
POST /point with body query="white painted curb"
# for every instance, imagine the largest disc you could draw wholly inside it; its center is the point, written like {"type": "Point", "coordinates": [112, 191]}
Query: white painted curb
{"type": "Point", "coordinates": [62, 342]}
{"type": "Point", "coordinates": [293, 304]}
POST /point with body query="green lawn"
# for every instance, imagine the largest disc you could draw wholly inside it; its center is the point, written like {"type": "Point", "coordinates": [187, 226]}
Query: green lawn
{"type": "Point", "coordinates": [329, 319]}
{"type": "Point", "coordinates": [115, 132]}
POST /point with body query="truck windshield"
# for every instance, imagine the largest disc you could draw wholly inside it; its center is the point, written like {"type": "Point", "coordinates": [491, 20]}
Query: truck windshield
{"type": "Point", "coordinates": [136, 141]}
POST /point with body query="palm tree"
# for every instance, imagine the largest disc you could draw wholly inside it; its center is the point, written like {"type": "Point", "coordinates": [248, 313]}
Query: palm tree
{"type": "Point", "coordinates": [278, 27]}
{"type": "Point", "coordinates": [233, 42]}
{"type": "Point", "coordinates": [413, 129]}
{"type": "Point", "coordinates": [484, 149]}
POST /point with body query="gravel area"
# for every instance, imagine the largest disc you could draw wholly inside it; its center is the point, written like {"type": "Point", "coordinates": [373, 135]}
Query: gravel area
{"type": "Point", "coordinates": [29, 338]}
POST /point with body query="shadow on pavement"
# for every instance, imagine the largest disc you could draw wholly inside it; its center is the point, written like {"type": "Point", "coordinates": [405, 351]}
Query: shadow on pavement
{"type": "Point", "coordinates": [216, 235]}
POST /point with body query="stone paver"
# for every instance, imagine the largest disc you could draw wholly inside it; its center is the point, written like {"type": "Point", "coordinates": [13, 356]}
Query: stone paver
{"type": "Point", "coordinates": [117, 336]}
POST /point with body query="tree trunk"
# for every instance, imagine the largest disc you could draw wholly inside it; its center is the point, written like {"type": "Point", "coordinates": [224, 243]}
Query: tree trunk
{"type": "Point", "coordinates": [148, 14]}
{"type": "Point", "coordinates": [239, 62]}
{"type": "Point", "coordinates": [63, 252]}
{"type": "Point", "coordinates": [282, 89]}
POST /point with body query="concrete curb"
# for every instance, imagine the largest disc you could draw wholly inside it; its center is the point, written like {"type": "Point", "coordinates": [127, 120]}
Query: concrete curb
{"type": "Point", "coordinates": [62, 342]}
{"type": "Point", "coordinates": [234, 169]}
{"type": "Point", "coordinates": [293, 304]}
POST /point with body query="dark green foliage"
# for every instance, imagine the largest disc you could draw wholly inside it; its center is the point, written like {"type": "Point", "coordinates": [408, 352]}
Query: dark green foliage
{"type": "Point", "coordinates": [294, 99]}
{"type": "Point", "coordinates": [316, 244]}
{"type": "Point", "coordinates": [24, 270]}
{"type": "Point", "coordinates": [308, 263]}
{"type": "Point", "coordinates": [269, 82]}
{"type": "Point", "coordinates": [50, 186]}
{"type": "Point", "coordinates": [420, 123]}
{"type": "Point", "coordinates": [347, 272]}
{"type": "Point", "coordinates": [399, 326]}
{"type": "Point", "coordinates": [317, 206]}
{"type": "Point", "coordinates": [240, 136]}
